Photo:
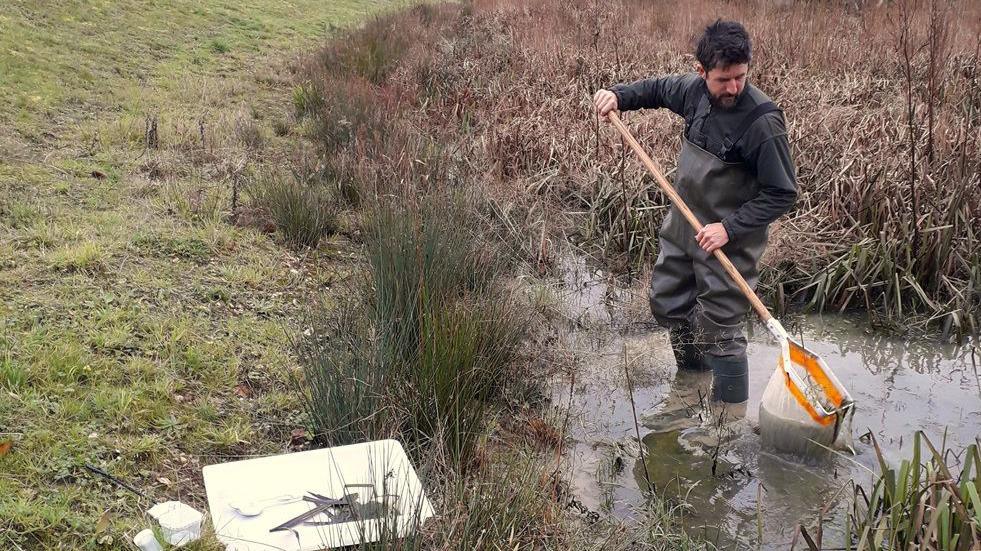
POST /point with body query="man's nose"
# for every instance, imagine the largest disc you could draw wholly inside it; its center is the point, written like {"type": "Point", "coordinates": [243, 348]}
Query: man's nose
{"type": "Point", "coordinates": [732, 87]}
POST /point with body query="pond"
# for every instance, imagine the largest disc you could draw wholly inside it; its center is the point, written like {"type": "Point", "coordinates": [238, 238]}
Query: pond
{"type": "Point", "coordinates": [733, 488]}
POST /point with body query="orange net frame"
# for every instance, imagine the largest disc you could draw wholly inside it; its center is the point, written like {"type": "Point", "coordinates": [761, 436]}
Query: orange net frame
{"type": "Point", "coordinates": [817, 372]}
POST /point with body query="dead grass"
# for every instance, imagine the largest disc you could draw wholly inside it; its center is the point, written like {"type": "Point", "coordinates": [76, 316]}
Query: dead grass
{"type": "Point", "coordinates": [501, 90]}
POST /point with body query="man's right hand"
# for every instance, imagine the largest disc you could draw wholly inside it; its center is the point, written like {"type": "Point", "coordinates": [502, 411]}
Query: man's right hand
{"type": "Point", "coordinates": [604, 101]}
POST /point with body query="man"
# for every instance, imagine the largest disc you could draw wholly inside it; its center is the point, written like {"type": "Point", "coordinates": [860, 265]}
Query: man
{"type": "Point", "coordinates": [736, 174]}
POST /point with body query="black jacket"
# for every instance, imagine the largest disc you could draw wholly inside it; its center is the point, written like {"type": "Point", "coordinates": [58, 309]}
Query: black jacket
{"type": "Point", "coordinates": [763, 148]}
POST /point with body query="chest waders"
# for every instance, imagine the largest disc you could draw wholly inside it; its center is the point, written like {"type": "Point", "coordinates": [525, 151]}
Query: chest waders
{"type": "Point", "coordinates": [804, 400]}
{"type": "Point", "coordinates": [691, 293]}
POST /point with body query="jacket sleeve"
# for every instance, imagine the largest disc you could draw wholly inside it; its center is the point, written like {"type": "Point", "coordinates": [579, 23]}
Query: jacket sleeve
{"type": "Point", "coordinates": [653, 93]}
{"type": "Point", "coordinates": [768, 156]}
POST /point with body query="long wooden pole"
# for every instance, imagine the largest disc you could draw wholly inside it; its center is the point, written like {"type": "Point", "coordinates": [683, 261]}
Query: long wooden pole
{"type": "Point", "coordinates": [654, 169]}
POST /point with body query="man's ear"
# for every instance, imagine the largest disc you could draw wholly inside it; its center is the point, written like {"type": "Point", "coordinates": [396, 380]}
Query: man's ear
{"type": "Point", "coordinates": [700, 69]}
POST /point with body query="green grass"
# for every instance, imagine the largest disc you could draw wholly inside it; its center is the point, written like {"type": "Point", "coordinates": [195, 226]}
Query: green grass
{"type": "Point", "coordinates": [53, 53]}
{"type": "Point", "coordinates": [132, 314]}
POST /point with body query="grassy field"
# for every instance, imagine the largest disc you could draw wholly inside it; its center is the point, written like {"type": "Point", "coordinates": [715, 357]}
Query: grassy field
{"type": "Point", "coordinates": [141, 332]}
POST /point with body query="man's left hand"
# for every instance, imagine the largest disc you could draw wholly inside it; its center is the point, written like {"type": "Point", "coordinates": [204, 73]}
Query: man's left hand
{"type": "Point", "coordinates": [712, 237]}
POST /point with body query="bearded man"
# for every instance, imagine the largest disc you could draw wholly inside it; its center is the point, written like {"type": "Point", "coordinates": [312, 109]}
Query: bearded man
{"type": "Point", "coordinates": [736, 174]}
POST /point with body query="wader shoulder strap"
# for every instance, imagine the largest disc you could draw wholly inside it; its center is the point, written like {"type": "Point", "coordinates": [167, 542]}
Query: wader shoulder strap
{"type": "Point", "coordinates": [756, 113]}
{"type": "Point", "coordinates": [696, 119]}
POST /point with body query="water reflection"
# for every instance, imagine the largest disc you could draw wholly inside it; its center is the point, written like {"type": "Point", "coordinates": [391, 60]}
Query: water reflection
{"type": "Point", "coordinates": [880, 353]}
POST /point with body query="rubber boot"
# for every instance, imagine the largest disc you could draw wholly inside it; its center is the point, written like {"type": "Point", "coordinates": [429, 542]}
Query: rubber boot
{"type": "Point", "coordinates": [724, 424]}
{"type": "Point", "coordinates": [730, 378]}
{"type": "Point", "coordinates": [685, 405]}
{"type": "Point", "coordinates": [686, 354]}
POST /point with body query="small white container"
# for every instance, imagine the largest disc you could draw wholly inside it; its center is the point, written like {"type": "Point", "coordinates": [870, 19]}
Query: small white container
{"type": "Point", "coordinates": [180, 523]}
{"type": "Point", "coordinates": [146, 541]}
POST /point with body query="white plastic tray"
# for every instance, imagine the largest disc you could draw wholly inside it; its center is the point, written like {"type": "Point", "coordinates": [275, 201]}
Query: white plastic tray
{"type": "Point", "coordinates": [382, 464]}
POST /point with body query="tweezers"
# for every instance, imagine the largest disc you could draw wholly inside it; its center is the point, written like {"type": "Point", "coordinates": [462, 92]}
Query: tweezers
{"type": "Point", "coordinates": [323, 504]}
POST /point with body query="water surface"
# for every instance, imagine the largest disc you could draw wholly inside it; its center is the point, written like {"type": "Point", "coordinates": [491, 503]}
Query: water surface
{"type": "Point", "coordinates": [899, 386]}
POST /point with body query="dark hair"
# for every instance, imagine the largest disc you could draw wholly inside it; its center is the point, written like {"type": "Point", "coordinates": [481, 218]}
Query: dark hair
{"type": "Point", "coordinates": [722, 44]}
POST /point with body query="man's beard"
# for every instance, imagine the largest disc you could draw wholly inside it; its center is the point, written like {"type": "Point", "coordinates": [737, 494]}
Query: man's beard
{"type": "Point", "coordinates": [725, 101]}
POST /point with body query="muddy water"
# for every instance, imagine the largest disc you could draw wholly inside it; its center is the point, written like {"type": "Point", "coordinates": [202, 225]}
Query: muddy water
{"type": "Point", "coordinates": [721, 469]}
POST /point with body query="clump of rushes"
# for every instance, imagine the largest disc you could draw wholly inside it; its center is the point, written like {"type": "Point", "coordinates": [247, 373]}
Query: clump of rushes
{"type": "Point", "coordinates": [435, 344]}
{"type": "Point", "coordinates": [423, 257]}
{"type": "Point", "coordinates": [449, 334]}
{"type": "Point", "coordinates": [920, 505]}
{"type": "Point", "coordinates": [304, 210]}
{"type": "Point", "coordinates": [371, 53]}
{"type": "Point", "coordinates": [344, 380]}
{"type": "Point", "coordinates": [465, 351]}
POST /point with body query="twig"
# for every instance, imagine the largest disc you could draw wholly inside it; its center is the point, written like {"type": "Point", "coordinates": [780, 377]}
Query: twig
{"type": "Point", "coordinates": [633, 408]}
{"type": "Point", "coordinates": [565, 422]}
{"type": "Point", "coordinates": [807, 538]}
{"type": "Point", "coordinates": [760, 489]}
{"type": "Point", "coordinates": [974, 363]}
{"type": "Point", "coordinates": [115, 480]}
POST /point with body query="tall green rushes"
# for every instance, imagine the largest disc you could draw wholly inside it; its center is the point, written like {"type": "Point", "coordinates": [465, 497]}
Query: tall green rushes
{"type": "Point", "coordinates": [448, 335]}
{"type": "Point", "coordinates": [465, 351]}
{"type": "Point", "coordinates": [436, 342]}
{"type": "Point", "coordinates": [419, 259]}
{"type": "Point", "coordinates": [344, 379]}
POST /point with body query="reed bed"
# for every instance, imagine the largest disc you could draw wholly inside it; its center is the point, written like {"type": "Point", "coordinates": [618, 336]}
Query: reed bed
{"type": "Point", "coordinates": [882, 103]}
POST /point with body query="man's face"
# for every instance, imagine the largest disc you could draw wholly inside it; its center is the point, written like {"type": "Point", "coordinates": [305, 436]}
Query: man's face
{"type": "Point", "coordinates": [725, 83]}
